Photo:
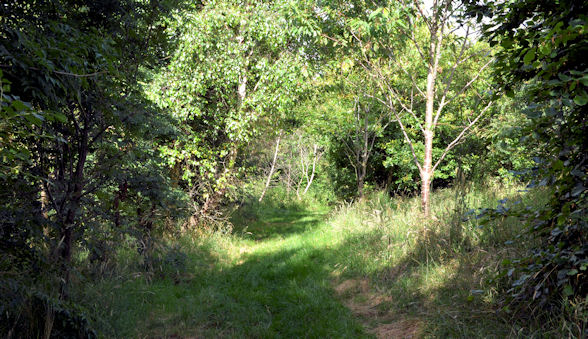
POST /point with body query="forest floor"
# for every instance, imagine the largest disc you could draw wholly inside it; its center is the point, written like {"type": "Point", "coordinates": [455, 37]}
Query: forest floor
{"type": "Point", "coordinates": [291, 273]}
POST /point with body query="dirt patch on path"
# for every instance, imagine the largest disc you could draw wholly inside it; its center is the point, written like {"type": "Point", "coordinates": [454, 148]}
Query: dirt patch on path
{"type": "Point", "coordinates": [406, 328]}
{"type": "Point", "coordinates": [366, 305]}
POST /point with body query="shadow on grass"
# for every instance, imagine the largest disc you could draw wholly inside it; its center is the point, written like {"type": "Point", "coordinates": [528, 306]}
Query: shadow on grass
{"type": "Point", "coordinates": [444, 289]}
{"type": "Point", "coordinates": [280, 227]}
{"type": "Point", "coordinates": [282, 295]}
{"type": "Point", "coordinates": [287, 291]}
{"type": "Point", "coordinates": [269, 220]}
{"type": "Point", "coordinates": [284, 292]}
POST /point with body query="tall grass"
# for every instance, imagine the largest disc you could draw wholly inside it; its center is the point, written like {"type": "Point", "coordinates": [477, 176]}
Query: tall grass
{"type": "Point", "coordinates": [439, 268]}
{"type": "Point", "coordinates": [278, 273]}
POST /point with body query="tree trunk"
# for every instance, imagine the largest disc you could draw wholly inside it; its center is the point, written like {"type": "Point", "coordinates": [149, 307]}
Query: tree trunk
{"type": "Point", "coordinates": [361, 177]}
{"type": "Point", "coordinates": [425, 193]}
{"type": "Point", "coordinates": [427, 169]}
{"type": "Point", "coordinates": [427, 173]}
{"type": "Point", "coordinates": [289, 178]}
{"type": "Point", "coordinates": [364, 157]}
{"type": "Point", "coordinates": [65, 253]}
{"type": "Point", "coordinates": [49, 320]}
{"type": "Point", "coordinates": [269, 177]}
{"type": "Point", "coordinates": [303, 167]}
{"type": "Point", "coordinates": [73, 206]}
{"type": "Point", "coordinates": [315, 156]}
{"type": "Point", "coordinates": [44, 203]}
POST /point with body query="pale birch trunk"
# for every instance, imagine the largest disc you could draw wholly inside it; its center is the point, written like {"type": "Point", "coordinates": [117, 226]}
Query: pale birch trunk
{"type": "Point", "coordinates": [314, 160]}
{"type": "Point", "coordinates": [427, 170]}
{"type": "Point", "coordinates": [271, 172]}
{"type": "Point", "coordinates": [364, 158]}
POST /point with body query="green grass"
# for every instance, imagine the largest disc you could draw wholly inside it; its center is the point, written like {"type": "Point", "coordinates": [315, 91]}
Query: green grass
{"type": "Point", "coordinates": [269, 280]}
{"type": "Point", "coordinates": [289, 271]}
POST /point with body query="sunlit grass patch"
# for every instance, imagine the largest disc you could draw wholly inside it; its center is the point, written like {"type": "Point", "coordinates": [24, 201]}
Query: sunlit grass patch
{"type": "Point", "coordinates": [436, 269]}
{"type": "Point", "coordinates": [367, 268]}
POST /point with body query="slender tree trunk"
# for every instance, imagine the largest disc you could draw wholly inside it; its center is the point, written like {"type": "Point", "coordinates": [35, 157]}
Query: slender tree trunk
{"type": "Point", "coordinates": [67, 234]}
{"type": "Point", "coordinates": [65, 252]}
{"type": "Point", "coordinates": [314, 159]}
{"type": "Point", "coordinates": [360, 184]}
{"type": "Point", "coordinates": [364, 157]}
{"type": "Point", "coordinates": [49, 312]}
{"type": "Point", "coordinates": [269, 176]}
{"type": "Point", "coordinates": [289, 177]}
{"type": "Point", "coordinates": [73, 206]}
{"type": "Point", "coordinates": [427, 173]}
{"type": "Point", "coordinates": [44, 209]}
{"type": "Point", "coordinates": [303, 169]}
{"type": "Point", "coordinates": [49, 320]}
{"type": "Point", "coordinates": [44, 203]}
{"type": "Point", "coordinates": [362, 171]}
{"type": "Point", "coordinates": [427, 169]}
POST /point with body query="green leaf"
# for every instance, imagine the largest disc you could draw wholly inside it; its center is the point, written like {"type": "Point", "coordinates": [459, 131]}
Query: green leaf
{"type": "Point", "coordinates": [581, 99]}
{"type": "Point", "coordinates": [34, 119]}
{"type": "Point", "coordinates": [568, 291]}
{"type": "Point", "coordinates": [375, 13]}
{"type": "Point", "coordinates": [506, 43]}
{"type": "Point", "coordinates": [529, 56]}
{"type": "Point", "coordinates": [60, 117]}
{"type": "Point", "coordinates": [564, 77]}
{"type": "Point", "coordinates": [573, 272]}
{"type": "Point", "coordinates": [20, 106]}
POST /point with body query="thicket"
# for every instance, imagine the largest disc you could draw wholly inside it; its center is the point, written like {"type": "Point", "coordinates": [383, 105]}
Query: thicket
{"type": "Point", "coordinates": [541, 45]}
{"type": "Point", "coordinates": [80, 162]}
{"type": "Point", "coordinates": [130, 122]}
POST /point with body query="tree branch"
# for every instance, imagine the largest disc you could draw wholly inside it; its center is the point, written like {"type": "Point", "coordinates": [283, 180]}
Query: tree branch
{"type": "Point", "coordinates": [458, 138]}
{"type": "Point", "coordinates": [470, 82]}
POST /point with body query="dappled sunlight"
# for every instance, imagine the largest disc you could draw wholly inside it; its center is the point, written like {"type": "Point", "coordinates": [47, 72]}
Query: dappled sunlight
{"type": "Point", "coordinates": [277, 286]}
{"type": "Point", "coordinates": [293, 169]}
{"type": "Point", "coordinates": [413, 268]}
{"type": "Point", "coordinates": [372, 268]}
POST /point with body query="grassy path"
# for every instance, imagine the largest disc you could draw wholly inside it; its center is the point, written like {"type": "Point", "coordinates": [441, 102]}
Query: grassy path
{"type": "Point", "coordinates": [368, 270]}
{"type": "Point", "coordinates": [272, 280]}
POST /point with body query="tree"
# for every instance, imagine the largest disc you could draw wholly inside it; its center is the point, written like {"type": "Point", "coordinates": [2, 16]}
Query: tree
{"type": "Point", "coordinates": [309, 156]}
{"type": "Point", "coordinates": [416, 56]}
{"type": "Point", "coordinates": [365, 122]}
{"type": "Point", "coordinates": [543, 44]}
{"type": "Point", "coordinates": [439, 51]}
{"type": "Point", "coordinates": [272, 168]}
{"type": "Point", "coordinates": [361, 144]}
{"type": "Point", "coordinates": [237, 72]}
{"type": "Point", "coordinates": [75, 111]}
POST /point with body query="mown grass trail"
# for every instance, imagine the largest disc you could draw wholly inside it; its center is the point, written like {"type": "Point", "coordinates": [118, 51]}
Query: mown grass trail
{"type": "Point", "coordinates": [271, 280]}
{"type": "Point", "coordinates": [371, 269]}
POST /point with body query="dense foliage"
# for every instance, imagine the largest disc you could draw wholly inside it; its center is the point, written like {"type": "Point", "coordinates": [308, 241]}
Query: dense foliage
{"type": "Point", "coordinates": [236, 73]}
{"type": "Point", "coordinates": [78, 154]}
{"type": "Point", "coordinates": [127, 124]}
{"type": "Point", "coordinates": [543, 44]}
